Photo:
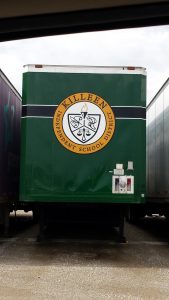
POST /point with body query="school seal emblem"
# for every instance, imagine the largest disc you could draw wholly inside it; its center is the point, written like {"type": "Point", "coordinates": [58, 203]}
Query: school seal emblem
{"type": "Point", "coordinates": [84, 123]}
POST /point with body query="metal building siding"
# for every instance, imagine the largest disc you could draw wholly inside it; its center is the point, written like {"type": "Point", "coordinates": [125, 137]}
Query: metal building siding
{"type": "Point", "coordinates": [51, 173]}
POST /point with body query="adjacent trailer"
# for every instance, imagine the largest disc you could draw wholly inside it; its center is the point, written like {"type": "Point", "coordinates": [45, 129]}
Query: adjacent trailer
{"type": "Point", "coordinates": [10, 113]}
{"type": "Point", "coordinates": [83, 140]}
{"type": "Point", "coordinates": [158, 153]}
{"type": "Point", "coordinates": [157, 162]}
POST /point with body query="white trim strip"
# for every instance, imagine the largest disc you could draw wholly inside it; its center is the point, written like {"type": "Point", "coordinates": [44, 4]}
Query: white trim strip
{"type": "Point", "coordinates": [43, 117]}
{"type": "Point", "coordinates": [130, 118]}
{"type": "Point", "coordinates": [129, 106]}
{"type": "Point", "coordinates": [40, 117]}
{"type": "Point", "coordinates": [84, 69]}
{"type": "Point", "coordinates": [40, 105]}
{"type": "Point", "coordinates": [58, 105]}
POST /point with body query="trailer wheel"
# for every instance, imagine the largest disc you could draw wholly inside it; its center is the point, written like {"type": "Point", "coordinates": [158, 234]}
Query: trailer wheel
{"type": "Point", "coordinates": [35, 216]}
{"type": "Point", "coordinates": [166, 214]}
{"type": "Point", "coordinates": [133, 215]}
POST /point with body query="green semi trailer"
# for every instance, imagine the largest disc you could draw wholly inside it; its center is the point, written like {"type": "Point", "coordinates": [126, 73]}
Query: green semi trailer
{"type": "Point", "coordinates": [83, 140]}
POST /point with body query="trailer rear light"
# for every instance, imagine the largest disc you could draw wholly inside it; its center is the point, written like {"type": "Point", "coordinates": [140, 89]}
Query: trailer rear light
{"type": "Point", "coordinates": [116, 184]}
{"type": "Point", "coordinates": [38, 66]}
{"type": "Point", "coordinates": [128, 184]}
{"type": "Point", "coordinates": [131, 68]}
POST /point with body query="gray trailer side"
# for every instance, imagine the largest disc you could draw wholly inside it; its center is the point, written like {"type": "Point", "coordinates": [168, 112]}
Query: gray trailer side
{"type": "Point", "coordinates": [157, 158]}
{"type": "Point", "coordinates": [158, 152]}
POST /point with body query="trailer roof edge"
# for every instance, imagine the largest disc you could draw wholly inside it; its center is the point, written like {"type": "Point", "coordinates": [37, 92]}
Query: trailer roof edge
{"type": "Point", "coordinates": [84, 69]}
{"type": "Point", "coordinates": [158, 93]}
{"type": "Point", "coordinates": [5, 78]}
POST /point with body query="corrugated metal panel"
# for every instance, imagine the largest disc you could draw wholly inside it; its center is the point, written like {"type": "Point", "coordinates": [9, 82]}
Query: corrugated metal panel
{"type": "Point", "coordinates": [10, 112]}
{"type": "Point", "coordinates": [158, 146]}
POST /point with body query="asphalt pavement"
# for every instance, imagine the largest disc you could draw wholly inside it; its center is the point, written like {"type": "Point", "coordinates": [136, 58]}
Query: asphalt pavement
{"type": "Point", "coordinates": [78, 262]}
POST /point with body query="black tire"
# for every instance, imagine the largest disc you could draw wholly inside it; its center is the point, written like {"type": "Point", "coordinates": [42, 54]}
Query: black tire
{"type": "Point", "coordinates": [35, 216]}
{"type": "Point", "coordinates": [133, 215]}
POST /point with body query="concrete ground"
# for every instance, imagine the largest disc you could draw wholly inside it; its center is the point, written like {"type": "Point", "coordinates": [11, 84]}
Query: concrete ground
{"type": "Point", "coordinates": [81, 262]}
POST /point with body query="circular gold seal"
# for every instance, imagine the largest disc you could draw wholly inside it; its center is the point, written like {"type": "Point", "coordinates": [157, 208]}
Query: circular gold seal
{"type": "Point", "coordinates": [84, 123]}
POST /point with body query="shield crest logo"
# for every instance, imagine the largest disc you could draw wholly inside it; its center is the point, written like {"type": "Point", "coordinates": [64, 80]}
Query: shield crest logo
{"type": "Point", "coordinates": [84, 125]}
